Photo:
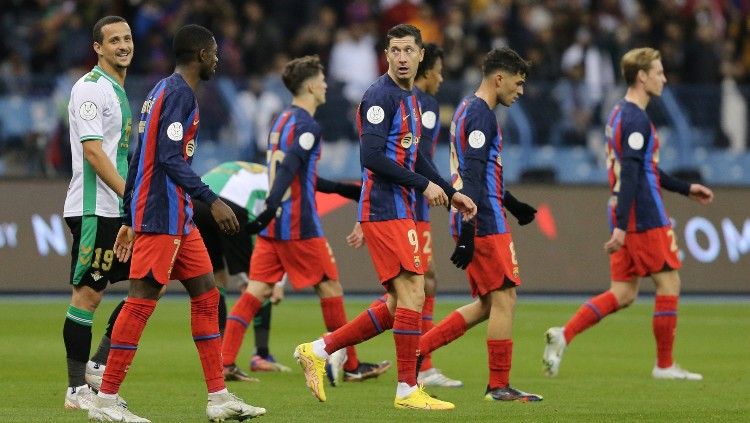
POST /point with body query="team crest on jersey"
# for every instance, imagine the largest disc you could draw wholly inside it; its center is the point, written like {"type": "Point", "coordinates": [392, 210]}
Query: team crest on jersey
{"type": "Point", "coordinates": [190, 148]}
{"type": "Point", "coordinates": [406, 141]}
{"type": "Point", "coordinates": [429, 119]}
{"type": "Point", "coordinates": [375, 115]}
{"type": "Point", "coordinates": [174, 131]}
{"type": "Point", "coordinates": [88, 110]}
{"type": "Point", "coordinates": [417, 261]}
{"type": "Point", "coordinates": [307, 140]}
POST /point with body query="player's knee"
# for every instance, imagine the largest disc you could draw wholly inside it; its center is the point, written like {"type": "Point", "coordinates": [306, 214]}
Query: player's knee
{"type": "Point", "coordinates": [430, 285]}
{"type": "Point", "coordinates": [86, 298]}
{"type": "Point", "coordinates": [329, 288]}
{"type": "Point", "coordinates": [260, 290]}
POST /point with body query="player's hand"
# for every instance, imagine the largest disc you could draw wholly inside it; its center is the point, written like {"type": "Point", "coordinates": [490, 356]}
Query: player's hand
{"type": "Point", "coordinates": [277, 294]}
{"type": "Point", "coordinates": [435, 195]}
{"type": "Point", "coordinates": [260, 222]}
{"type": "Point", "coordinates": [124, 243]}
{"type": "Point", "coordinates": [464, 251]}
{"type": "Point", "coordinates": [525, 213]}
{"type": "Point", "coordinates": [224, 217]}
{"type": "Point", "coordinates": [616, 241]}
{"type": "Point", "coordinates": [701, 194]}
{"type": "Point", "coordinates": [465, 205]}
{"type": "Point", "coordinates": [356, 239]}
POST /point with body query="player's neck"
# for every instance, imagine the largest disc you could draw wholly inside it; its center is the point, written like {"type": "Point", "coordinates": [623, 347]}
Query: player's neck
{"type": "Point", "coordinates": [189, 74]}
{"type": "Point", "coordinates": [486, 92]}
{"type": "Point", "coordinates": [116, 74]}
{"type": "Point", "coordinates": [306, 103]}
{"type": "Point", "coordinates": [637, 96]}
{"type": "Point", "coordinates": [403, 84]}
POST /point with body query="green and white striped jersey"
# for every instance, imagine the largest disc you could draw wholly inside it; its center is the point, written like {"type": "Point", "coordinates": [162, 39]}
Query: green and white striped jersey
{"type": "Point", "coordinates": [243, 183]}
{"type": "Point", "coordinates": [98, 110]}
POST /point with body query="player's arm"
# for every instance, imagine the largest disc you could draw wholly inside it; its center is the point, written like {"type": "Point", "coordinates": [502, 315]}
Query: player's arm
{"type": "Point", "coordinates": [426, 168]}
{"type": "Point", "coordinates": [176, 109]}
{"type": "Point", "coordinates": [636, 130]}
{"type": "Point", "coordinates": [697, 192]}
{"type": "Point", "coordinates": [89, 104]}
{"type": "Point", "coordinates": [478, 130]}
{"type": "Point", "coordinates": [350, 191]}
{"type": "Point", "coordinates": [298, 154]}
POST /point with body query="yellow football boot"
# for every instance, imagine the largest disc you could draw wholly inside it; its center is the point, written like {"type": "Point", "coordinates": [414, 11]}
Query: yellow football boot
{"type": "Point", "coordinates": [314, 369]}
{"type": "Point", "coordinates": [421, 400]}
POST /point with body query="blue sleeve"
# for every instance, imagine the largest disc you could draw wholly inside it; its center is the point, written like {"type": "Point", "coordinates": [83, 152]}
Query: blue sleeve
{"type": "Point", "coordinates": [670, 183]}
{"type": "Point", "coordinates": [127, 196]}
{"type": "Point", "coordinates": [430, 125]}
{"type": "Point", "coordinates": [372, 155]}
{"type": "Point", "coordinates": [479, 132]}
{"type": "Point", "coordinates": [635, 134]}
{"type": "Point", "coordinates": [375, 115]}
{"type": "Point", "coordinates": [306, 139]}
{"type": "Point", "coordinates": [176, 108]}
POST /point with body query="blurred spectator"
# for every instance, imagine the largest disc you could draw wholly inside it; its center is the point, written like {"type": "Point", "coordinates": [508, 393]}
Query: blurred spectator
{"type": "Point", "coordinates": [353, 60]}
{"type": "Point", "coordinates": [576, 105]}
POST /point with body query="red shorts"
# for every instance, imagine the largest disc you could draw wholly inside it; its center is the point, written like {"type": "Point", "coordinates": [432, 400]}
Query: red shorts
{"type": "Point", "coordinates": [645, 253]}
{"type": "Point", "coordinates": [494, 265]}
{"type": "Point", "coordinates": [307, 261]}
{"type": "Point", "coordinates": [163, 257]}
{"type": "Point", "coordinates": [424, 230]}
{"type": "Point", "coordinates": [394, 247]}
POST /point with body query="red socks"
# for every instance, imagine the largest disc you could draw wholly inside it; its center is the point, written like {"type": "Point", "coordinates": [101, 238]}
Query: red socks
{"type": "Point", "coordinates": [664, 324]}
{"type": "Point", "coordinates": [363, 327]}
{"type": "Point", "coordinates": [449, 329]}
{"type": "Point", "coordinates": [334, 316]}
{"type": "Point", "coordinates": [204, 323]}
{"type": "Point", "coordinates": [406, 333]}
{"type": "Point", "coordinates": [237, 321]}
{"type": "Point", "coordinates": [125, 336]}
{"type": "Point", "coordinates": [590, 313]}
{"type": "Point", "coordinates": [427, 309]}
{"type": "Point", "coordinates": [499, 354]}
{"type": "Point", "coordinates": [380, 300]}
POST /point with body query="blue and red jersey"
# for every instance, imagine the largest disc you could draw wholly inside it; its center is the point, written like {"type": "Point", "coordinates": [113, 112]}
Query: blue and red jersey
{"type": "Point", "coordinates": [430, 110]}
{"type": "Point", "coordinates": [391, 113]}
{"type": "Point", "coordinates": [160, 182]}
{"type": "Point", "coordinates": [636, 204]}
{"type": "Point", "coordinates": [476, 165]}
{"type": "Point", "coordinates": [294, 133]}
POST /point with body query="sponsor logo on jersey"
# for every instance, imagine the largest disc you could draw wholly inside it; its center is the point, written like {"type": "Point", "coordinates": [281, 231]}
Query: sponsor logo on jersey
{"type": "Point", "coordinates": [429, 119]}
{"type": "Point", "coordinates": [190, 148]}
{"type": "Point", "coordinates": [307, 140]}
{"type": "Point", "coordinates": [174, 131]}
{"type": "Point", "coordinates": [406, 141]}
{"type": "Point", "coordinates": [96, 276]}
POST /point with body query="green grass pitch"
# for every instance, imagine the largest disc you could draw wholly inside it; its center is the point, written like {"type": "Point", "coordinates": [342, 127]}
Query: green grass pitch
{"type": "Point", "coordinates": [605, 375]}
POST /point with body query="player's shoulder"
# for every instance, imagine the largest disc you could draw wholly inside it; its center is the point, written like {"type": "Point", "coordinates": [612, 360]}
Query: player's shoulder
{"type": "Point", "coordinates": [478, 111]}
{"type": "Point", "coordinates": [176, 85]}
{"type": "Point", "coordinates": [90, 82]}
{"type": "Point", "coordinates": [633, 115]}
{"type": "Point", "coordinates": [381, 92]}
{"type": "Point", "coordinates": [303, 119]}
{"type": "Point", "coordinates": [428, 102]}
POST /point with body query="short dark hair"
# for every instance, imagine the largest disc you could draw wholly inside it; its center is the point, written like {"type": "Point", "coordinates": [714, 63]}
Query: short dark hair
{"type": "Point", "coordinates": [297, 71]}
{"type": "Point", "coordinates": [431, 54]}
{"type": "Point", "coordinates": [189, 40]}
{"type": "Point", "coordinates": [404, 30]}
{"type": "Point", "coordinates": [504, 59]}
{"type": "Point", "coordinates": [98, 36]}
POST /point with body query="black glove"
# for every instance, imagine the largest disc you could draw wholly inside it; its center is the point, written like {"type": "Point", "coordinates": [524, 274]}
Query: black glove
{"type": "Point", "coordinates": [520, 210]}
{"type": "Point", "coordinates": [260, 222]}
{"type": "Point", "coordinates": [464, 251]}
{"type": "Point", "coordinates": [350, 191]}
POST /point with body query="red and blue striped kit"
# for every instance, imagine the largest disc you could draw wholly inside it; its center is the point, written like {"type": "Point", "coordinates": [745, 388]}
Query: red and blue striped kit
{"type": "Point", "coordinates": [295, 132]}
{"type": "Point", "coordinates": [392, 113]}
{"type": "Point", "coordinates": [631, 136]}
{"type": "Point", "coordinates": [476, 165]}
{"type": "Point", "coordinates": [430, 111]}
{"type": "Point", "coordinates": [160, 182]}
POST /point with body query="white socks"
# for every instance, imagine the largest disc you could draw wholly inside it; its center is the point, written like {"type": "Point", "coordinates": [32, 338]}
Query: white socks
{"type": "Point", "coordinates": [319, 348]}
{"type": "Point", "coordinates": [402, 389]}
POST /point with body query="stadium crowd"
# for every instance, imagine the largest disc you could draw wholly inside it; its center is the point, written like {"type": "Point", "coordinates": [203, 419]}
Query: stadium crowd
{"type": "Point", "coordinates": [574, 47]}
